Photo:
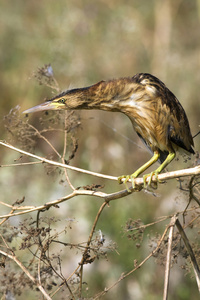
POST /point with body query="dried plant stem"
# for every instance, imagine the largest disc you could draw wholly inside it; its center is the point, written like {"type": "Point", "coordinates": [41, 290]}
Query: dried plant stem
{"type": "Point", "coordinates": [52, 203]}
{"type": "Point", "coordinates": [45, 139]}
{"type": "Point", "coordinates": [64, 153]}
{"type": "Point", "coordinates": [51, 162]}
{"type": "Point", "coordinates": [138, 181]}
{"type": "Point", "coordinates": [5, 219]}
{"type": "Point", "coordinates": [124, 275]}
{"type": "Point", "coordinates": [191, 253]}
{"type": "Point", "coordinates": [39, 286]}
{"type": "Point", "coordinates": [168, 258]}
{"type": "Point", "coordinates": [84, 256]}
{"type": "Point", "coordinates": [28, 209]}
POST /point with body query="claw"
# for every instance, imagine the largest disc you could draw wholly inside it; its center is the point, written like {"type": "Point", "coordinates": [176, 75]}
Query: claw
{"type": "Point", "coordinates": [136, 174]}
{"type": "Point", "coordinates": [154, 173]}
{"type": "Point", "coordinates": [120, 178]}
{"type": "Point", "coordinates": [127, 177]}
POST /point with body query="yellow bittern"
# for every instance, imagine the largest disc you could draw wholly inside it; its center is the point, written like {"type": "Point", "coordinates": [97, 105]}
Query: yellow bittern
{"type": "Point", "coordinates": [155, 113]}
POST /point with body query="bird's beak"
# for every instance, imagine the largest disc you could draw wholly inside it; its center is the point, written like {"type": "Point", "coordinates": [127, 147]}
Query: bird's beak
{"type": "Point", "coordinates": [48, 105]}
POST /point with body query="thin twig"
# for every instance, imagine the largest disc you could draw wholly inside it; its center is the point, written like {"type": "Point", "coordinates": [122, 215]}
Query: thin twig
{"type": "Point", "coordinates": [84, 256]}
{"type": "Point", "coordinates": [64, 153]}
{"type": "Point", "coordinates": [22, 164]}
{"type": "Point", "coordinates": [191, 253]}
{"type": "Point", "coordinates": [5, 219]}
{"type": "Point", "coordinates": [54, 203]}
{"type": "Point", "coordinates": [39, 286]}
{"type": "Point", "coordinates": [28, 209]}
{"type": "Point", "coordinates": [168, 258]}
{"type": "Point", "coordinates": [124, 275]}
{"type": "Point", "coordinates": [138, 181]}
{"type": "Point", "coordinates": [191, 189]}
{"type": "Point", "coordinates": [45, 139]}
{"type": "Point", "coordinates": [51, 162]}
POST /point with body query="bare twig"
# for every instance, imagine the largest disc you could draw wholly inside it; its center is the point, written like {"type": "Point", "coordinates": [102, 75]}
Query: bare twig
{"type": "Point", "coordinates": [64, 153]}
{"type": "Point", "coordinates": [124, 275]}
{"type": "Point", "coordinates": [168, 258]}
{"type": "Point", "coordinates": [191, 253]}
{"type": "Point", "coordinates": [85, 253]}
{"type": "Point", "coordinates": [138, 181]}
{"type": "Point", "coordinates": [39, 286]}
{"type": "Point", "coordinates": [28, 209]}
{"type": "Point", "coordinates": [51, 162]}
{"type": "Point", "coordinates": [191, 186]}
{"type": "Point", "coordinates": [5, 219]}
{"type": "Point", "coordinates": [45, 139]}
{"type": "Point", "coordinates": [53, 203]}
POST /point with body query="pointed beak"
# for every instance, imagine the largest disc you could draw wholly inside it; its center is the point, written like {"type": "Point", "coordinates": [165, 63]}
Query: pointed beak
{"type": "Point", "coordinates": [48, 105]}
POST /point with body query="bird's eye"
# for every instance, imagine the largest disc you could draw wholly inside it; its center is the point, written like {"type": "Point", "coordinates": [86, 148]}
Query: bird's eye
{"type": "Point", "coordinates": [62, 100]}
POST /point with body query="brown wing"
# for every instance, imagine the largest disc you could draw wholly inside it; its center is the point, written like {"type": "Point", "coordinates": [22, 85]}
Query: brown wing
{"type": "Point", "coordinates": [179, 130]}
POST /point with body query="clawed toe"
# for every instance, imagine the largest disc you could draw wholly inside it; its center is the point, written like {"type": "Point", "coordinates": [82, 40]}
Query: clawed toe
{"type": "Point", "coordinates": [120, 179]}
{"type": "Point", "coordinates": [126, 179]}
{"type": "Point", "coordinates": [146, 184]}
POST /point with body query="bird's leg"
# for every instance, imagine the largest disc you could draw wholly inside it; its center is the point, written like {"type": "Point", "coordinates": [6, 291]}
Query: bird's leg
{"type": "Point", "coordinates": [126, 178]}
{"type": "Point", "coordinates": [155, 173]}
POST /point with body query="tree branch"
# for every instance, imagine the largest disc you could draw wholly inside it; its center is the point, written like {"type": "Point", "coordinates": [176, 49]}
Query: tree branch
{"type": "Point", "coordinates": [138, 181]}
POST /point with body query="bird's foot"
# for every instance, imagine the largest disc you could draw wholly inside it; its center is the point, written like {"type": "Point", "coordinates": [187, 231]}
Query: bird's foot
{"type": "Point", "coordinates": [126, 179]}
{"type": "Point", "coordinates": [154, 173]}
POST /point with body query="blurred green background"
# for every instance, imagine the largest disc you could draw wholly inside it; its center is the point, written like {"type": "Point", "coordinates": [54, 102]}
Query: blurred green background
{"type": "Point", "coordinates": [85, 42]}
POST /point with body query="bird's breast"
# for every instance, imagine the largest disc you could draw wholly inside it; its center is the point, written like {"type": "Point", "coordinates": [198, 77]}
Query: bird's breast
{"type": "Point", "coordinates": [148, 121]}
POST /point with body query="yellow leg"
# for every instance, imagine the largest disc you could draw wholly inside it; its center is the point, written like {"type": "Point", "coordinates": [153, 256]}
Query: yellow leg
{"type": "Point", "coordinates": [154, 158]}
{"type": "Point", "coordinates": [169, 158]}
{"type": "Point", "coordinates": [155, 173]}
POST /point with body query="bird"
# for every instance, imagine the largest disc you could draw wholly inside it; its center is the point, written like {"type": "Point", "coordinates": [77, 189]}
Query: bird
{"type": "Point", "coordinates": [156, 115]}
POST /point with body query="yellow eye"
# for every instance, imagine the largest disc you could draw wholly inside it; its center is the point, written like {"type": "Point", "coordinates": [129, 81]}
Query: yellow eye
{"type": "Point", "coordinates": [62, 100]}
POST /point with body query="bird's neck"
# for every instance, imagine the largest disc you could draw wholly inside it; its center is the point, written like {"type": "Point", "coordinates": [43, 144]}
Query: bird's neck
{"type": "Point", "coordinates": [104, 95]}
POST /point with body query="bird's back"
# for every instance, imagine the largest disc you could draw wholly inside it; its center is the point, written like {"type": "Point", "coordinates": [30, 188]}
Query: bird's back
{"type": "Point", "coordinates": [159, 118]}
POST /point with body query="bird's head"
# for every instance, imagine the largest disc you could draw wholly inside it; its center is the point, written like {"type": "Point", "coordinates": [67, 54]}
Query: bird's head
{"type": "Point", "coordinates": [55, 104]}
{"type": "Point", "coordinates": [66, 100]}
